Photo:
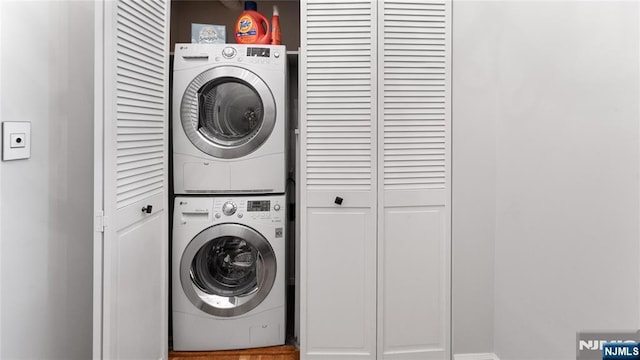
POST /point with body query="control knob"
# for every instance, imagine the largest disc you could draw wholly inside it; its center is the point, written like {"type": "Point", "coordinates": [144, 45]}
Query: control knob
{"type": "Point", "coordinates": [228, 52]}
{"type": "Point", "coordinates": [229, 208]}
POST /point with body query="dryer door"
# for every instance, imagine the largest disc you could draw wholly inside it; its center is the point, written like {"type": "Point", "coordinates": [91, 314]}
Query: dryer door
{"type": "Point", "coordinates": [227, 112]}
{"type": "Point", "coordinates": [227, 270]}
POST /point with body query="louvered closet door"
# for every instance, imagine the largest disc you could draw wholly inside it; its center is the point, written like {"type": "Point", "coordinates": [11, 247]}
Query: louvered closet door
{"type": "Point", "coordinates": [133, 92]}
{"type": "Point", "coordinates": [338, 160]}
{"type": "Point", "coordinates": [414, 135]}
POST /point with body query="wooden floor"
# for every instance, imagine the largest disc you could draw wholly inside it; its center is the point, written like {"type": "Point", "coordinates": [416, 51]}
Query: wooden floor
{"type": "Point", "coordinates": [285, 352]}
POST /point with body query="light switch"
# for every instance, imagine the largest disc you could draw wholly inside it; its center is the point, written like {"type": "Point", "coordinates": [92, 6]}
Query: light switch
{"type": "Point", "coordinates": [16, 140]}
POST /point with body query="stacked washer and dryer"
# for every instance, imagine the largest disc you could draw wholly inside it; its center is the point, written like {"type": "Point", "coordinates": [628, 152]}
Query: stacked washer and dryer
{"type": "Point", "coordinates": [229, 221]}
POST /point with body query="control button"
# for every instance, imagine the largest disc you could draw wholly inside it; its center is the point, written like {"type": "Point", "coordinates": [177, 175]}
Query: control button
{"type": "Point", "coordinates": [240, 215]}
{"type": "Point", "coordinates": [228, 52]}
{"type": "Point", "coordinates": [218, 215]}
{"type": "Point", "coordinates": [276, 54]}
{"type": "Point", "coordinates": [17, 140]}
{"type": "Point", "coordinates": [229, 208]}
{"type": "Point", "coordinates": [276, 207]}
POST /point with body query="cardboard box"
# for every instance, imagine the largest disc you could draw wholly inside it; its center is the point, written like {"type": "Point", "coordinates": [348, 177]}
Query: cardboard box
{"type": "Point", "coordinates": [208, 34]}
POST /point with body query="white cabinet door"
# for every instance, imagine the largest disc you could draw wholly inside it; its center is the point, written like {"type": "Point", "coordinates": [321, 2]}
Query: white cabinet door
{"type": "Point", "coordinates": [131, 249]}
{"type": "Point", "coordinates": [338, 160]}
{"type": "Point", "coordinates": [414, 179]}
{"type": "Point", "coordinates": [375, 131]}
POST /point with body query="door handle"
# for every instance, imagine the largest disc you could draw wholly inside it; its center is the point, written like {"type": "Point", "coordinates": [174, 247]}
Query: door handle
{"type": "Point", "coordinates": [147, 209]}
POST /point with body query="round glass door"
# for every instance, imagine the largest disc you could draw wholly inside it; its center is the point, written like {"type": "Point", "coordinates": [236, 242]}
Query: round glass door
{"type": "Point", "coordinates": [227, 270]}
{"type": "Point", "coordinates": [227, 112]}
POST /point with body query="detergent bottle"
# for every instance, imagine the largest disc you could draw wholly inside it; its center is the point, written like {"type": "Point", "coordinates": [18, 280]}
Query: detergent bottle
{"type": "Point", "coordinates": [276, 36]}
{"type": "Point", "coordinates": [252, 27]}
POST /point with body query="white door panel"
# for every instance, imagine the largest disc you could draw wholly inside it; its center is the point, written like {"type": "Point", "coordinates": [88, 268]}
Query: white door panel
{"type": "Point", "coordinates": [338, 180]}
{"type": "Point", "coordinates": [340, 278]}
{"type": "Point", "coordinates": [138, 331]}
{"type": "Point", "coordinates": [414, 179]}
{"type": "Point", "coordinates": [415, 297]}
{"type": "Point", "coordinates": [375, 138]}
{"type": "Point", "coordinates": [131, 246]}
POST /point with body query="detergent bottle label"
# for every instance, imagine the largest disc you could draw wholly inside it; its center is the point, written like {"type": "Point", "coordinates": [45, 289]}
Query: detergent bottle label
{"type": "Point", "coordinates": [246, 29]}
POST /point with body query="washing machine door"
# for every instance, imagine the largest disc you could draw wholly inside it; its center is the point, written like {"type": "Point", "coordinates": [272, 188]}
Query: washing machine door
{"type": "Point", "coordinates": [227, 112]}
{"type": "Point", "coordinates": [227, 270]}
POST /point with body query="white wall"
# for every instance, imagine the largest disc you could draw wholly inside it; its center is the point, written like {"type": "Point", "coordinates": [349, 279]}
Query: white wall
{"type": "Point", "coordinates": [1, 12]}
{"type": "Point", "coordinates": [46, 224]}
{"type": "Point", "coordinates": [475, 110]}
{"type": "Point", "coordinates": [567, 185]}
{"type": "Point", "coordinates": [546, 174]}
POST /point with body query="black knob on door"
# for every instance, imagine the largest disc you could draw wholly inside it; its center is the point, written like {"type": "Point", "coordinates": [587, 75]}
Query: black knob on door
{"type": "Point", "coordinates": [147, 209]}
{"type": "Point", "coordinates": [338, 200]}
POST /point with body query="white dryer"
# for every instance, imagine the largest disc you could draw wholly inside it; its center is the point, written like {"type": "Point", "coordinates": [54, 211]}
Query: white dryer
{"type": "Point", "coordinates": [229, 118]}
{"type": "Point", "coordinates": [228, 283]}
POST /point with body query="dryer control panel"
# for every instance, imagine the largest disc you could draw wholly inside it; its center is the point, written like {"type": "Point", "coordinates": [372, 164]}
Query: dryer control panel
{"type": "Point", "coordinates": [273, 57]}
{"type": "Point", "coordinates": [254, 55]}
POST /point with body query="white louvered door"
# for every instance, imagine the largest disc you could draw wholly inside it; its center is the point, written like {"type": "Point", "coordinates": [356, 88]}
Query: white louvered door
{"type": "Point", "coordinates": [338, 152]}
{"type": "Point", "coordinates": [414, 178]}
{"type": "Point", "coordinates": [375, 130]}
{"type": "Point", "coordinates": [131, 139]}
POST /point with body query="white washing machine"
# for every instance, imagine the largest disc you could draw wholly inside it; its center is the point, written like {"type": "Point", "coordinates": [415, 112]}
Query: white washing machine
{"type": "Point", "coordinates": [229, 118]}
{"type": "Point", "coordinates": [228, 283]}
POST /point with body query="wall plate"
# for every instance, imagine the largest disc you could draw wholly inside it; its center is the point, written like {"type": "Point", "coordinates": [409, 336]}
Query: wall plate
{"type": "Point", "coordinates": [16, 140]}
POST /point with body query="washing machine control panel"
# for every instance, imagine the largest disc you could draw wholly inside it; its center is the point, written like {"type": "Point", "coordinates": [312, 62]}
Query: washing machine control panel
{"type": "Point", "coordinates": [269, 209]}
